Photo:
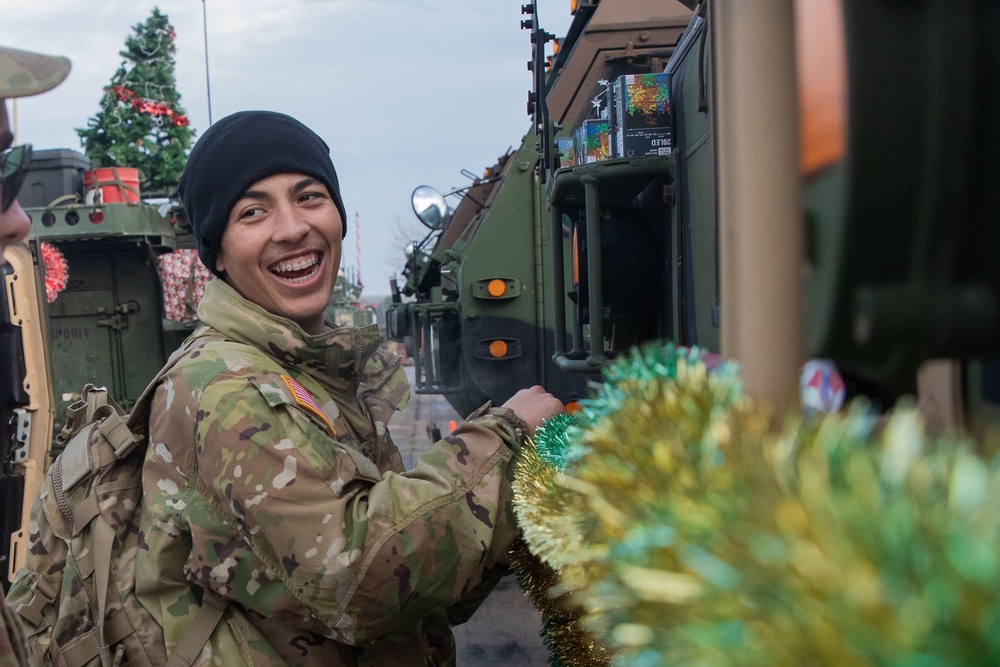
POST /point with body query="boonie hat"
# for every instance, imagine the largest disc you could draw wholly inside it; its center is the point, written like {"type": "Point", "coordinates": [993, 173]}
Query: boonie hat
{"type": "Point", "coordinates": [23, 73]}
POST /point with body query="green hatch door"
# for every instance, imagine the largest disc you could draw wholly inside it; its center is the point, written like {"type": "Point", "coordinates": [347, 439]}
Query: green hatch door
{"type": "Point", "coordinates": [105, 326]}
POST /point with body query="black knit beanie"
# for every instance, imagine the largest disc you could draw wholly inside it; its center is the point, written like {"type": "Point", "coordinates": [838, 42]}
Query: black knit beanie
{"type": "Point", "coordinates": [235, 153]}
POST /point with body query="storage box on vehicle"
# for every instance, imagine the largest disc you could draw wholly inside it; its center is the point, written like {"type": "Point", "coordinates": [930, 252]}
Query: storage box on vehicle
{"type": "Point", "coordinates": [54, 172]}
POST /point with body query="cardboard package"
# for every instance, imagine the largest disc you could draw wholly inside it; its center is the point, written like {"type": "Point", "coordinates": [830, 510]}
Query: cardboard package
{"type": "Point", "coordinates": [641, 117]}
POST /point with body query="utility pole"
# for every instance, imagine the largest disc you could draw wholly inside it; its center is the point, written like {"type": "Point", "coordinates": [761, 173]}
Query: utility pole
{"type": "Point", "coordinates": [208, 82]}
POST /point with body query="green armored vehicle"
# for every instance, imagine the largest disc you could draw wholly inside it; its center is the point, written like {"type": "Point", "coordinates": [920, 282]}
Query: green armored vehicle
{"type": "Point", "coordinates": [828, 194]}
{"type": "Point", "coordinates": [107, 324]}
{"type": "Point", "coordinates": [86, 295]}
{"type": "Point", "coordinates": [346, 308]}
{"type": "Point", "coordinates": [484, 320]}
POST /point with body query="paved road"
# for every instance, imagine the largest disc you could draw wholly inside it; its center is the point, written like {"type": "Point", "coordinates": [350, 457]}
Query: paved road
{"type": "Point", "coordinates": [505, 629]}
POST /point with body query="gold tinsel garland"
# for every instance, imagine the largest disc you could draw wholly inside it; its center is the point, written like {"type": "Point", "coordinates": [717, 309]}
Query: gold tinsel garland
{"type": "Point", "coordinates": [544, 514]}
{"type": "Point", "coordinates": [679, 530]}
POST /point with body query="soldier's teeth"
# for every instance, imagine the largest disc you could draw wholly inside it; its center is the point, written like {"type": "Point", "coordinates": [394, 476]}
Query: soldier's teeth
{"type": "Point", "coordinates": [296, 265]}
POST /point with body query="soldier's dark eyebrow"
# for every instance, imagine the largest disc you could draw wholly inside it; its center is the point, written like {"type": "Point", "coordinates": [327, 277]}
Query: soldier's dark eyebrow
{"type": "Point", "coordinates": [303, 184]}
{"type": "Point", "coordinates": [298, 186]}
{"type": "Point", "coordinates": [253, 194]}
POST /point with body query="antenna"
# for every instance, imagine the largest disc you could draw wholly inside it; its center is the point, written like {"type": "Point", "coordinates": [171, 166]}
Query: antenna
{"type": "Point", "coordinates": [537, 107]}
{"type": "Point", "coordinates": [357, 244]}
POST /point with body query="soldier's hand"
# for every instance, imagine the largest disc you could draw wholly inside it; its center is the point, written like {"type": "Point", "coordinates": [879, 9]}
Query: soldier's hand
{"type": "Point", "coordinates": [534, 405]}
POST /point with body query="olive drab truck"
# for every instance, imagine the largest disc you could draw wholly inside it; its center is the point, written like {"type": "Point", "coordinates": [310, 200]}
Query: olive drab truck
{"type": "Point", "coordinates": [828, 193]}
{"type": "Point", "coordinates": [482, 321]}
{"type": "Point", "coordinates": [104, 324]}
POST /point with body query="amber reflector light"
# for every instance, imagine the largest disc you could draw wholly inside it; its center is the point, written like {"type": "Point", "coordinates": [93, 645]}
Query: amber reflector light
{"type": "Point", "coordinates": [496, 287]}
{"type": "Point", "coordinates": [498, 348]}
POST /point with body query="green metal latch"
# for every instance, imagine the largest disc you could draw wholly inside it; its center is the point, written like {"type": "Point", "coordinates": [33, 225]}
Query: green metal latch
{"type": "Point", "coordinates": [119, 320]}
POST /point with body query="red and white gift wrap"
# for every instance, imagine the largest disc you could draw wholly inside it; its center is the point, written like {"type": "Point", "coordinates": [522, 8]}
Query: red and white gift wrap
{"type": "Point", "coordinates": [183, 277]}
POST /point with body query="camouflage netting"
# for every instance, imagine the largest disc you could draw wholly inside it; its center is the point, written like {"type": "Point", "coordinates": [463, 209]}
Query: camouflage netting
{"type": "Point", "coordinates": [668, 525]}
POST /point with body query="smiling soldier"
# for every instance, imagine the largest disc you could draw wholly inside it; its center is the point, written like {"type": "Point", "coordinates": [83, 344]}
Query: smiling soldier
{"type": "Point", "coordinates": [271, 482]}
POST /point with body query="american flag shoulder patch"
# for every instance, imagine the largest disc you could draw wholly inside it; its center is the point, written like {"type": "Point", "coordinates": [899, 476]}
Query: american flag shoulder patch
{"type": "Point", "coordinates": [306, 400]}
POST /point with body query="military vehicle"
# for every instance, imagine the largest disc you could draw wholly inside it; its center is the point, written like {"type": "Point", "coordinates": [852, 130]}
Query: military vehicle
{"type": "Point", "coordinates": [485, 321]}
{"type": "Point", "coordinates": [106, 326]}
{"type": "Point", "coordinates": [346, 308]}
{"type": "Point", "coordinates": [828, 194]}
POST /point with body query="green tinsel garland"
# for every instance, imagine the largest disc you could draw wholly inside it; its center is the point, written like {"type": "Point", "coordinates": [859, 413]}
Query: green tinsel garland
{"type": "Point", "coordinates": [684, 532]}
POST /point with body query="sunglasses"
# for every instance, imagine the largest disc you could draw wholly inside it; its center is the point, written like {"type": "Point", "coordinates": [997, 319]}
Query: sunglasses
{"type": "Point", "coordinates": [14, 166]}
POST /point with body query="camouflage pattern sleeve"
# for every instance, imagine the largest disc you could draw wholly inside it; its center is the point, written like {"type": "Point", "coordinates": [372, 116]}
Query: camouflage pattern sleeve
{"type": "Point", "coordinates": [13, 645]}
{"type": "Point", "coordinates": [338, 546]}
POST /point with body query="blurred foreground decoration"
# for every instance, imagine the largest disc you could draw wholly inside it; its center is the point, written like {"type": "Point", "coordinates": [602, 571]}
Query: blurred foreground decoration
{"type": "Point", "coordinates": [668, 526]}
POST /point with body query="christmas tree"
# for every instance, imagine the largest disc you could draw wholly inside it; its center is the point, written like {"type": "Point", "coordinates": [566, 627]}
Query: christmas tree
{"type": "Point", "coordinates": [141, 123]}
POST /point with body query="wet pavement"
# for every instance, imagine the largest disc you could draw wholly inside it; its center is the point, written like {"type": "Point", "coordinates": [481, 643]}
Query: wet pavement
{"type": "Point", "coordinates": [504, 631]}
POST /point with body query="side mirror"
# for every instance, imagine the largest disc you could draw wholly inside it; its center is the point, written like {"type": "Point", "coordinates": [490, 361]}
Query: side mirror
{"type": "Point", "coordinates": [430, 207]}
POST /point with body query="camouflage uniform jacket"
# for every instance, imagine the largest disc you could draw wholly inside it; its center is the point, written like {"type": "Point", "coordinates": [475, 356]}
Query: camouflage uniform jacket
{"type": "Point", "coordinates": [271, 480]}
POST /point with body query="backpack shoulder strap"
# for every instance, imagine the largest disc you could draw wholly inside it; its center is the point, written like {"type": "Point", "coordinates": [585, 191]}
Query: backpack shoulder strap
{"type": "Point", "coordinates": [199, 632]}
{"type": "Point", "coordinates": [138, 417]}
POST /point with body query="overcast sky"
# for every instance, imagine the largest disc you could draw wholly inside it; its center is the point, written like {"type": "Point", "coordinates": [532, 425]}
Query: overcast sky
{"type": "Point", "coordinates": [405, 92]}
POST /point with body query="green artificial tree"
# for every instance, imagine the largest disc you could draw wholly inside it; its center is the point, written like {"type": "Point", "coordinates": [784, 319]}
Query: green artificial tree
{"type": "Point", "coordinates": [141, 123]}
